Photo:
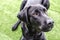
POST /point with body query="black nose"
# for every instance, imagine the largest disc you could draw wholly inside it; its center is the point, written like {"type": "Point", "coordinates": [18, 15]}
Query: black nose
{"type": "Point", "coordinates": [50, 22]}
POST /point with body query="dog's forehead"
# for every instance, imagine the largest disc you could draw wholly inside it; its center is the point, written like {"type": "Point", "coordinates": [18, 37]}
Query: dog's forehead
{"type": "Point", "coordinates": [38, 6]}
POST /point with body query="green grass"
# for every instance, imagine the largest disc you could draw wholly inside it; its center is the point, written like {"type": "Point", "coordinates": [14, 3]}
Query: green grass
{"type": "Point", "coordinates": [8, 12]}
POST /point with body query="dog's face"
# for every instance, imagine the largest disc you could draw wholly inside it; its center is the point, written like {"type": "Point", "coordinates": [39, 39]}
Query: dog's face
{"type": "Point", "coordinates": [37, 15]}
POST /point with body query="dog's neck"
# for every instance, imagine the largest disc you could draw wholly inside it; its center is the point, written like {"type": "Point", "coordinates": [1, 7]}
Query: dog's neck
{"type": "Point", "coordinates": [32, 31]}
{"type": "Point", "coordinates": [29, 32]}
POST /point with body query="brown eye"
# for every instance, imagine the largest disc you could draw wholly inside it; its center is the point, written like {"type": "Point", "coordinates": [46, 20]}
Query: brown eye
{"type": "Point", "coordinates": [36, 14]}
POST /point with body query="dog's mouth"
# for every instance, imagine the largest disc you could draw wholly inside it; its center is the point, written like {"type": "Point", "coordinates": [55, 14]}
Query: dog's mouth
{"type": "Point", "coordinates": [46, 28]}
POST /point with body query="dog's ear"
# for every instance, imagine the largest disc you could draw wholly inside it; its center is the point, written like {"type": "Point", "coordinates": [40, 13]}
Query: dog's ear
{"type": "Point", "coordinates": [46, 3]}
{"type": "Point", "coordinates": [23, 14]}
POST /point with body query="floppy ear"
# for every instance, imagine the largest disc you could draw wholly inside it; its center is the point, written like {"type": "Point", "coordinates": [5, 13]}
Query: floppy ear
{"type": "Point", "coordinates": [46, 3]}
{"type": "Point", "coordinates": [23, 14]}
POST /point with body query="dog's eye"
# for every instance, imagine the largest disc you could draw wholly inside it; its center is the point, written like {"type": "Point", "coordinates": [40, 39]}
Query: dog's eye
{"type": "Point", "coordinates": [44, 10]}
{"type": "Point", "coordinates": [36, 14]}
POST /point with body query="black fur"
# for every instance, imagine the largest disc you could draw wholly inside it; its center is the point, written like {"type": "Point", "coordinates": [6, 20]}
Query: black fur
{"type": "Point", "coordinates": [34, 19]}
{"type": "Point", "coordinates": [45, 3]}
{"type": "Point", "coordinates": [35, 22]}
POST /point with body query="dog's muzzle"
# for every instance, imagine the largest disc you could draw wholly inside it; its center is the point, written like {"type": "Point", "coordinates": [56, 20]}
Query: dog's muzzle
{"type": "Point", "coordinates": [48, 25]}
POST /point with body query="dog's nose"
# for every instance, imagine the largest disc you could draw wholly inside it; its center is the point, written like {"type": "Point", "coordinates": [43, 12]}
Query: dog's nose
{"type": "Point", "coordinates": [50, 22]}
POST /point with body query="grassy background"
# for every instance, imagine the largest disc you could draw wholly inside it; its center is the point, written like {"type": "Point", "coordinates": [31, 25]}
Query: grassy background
{"type": "Point", "coordinates": [8, 12]}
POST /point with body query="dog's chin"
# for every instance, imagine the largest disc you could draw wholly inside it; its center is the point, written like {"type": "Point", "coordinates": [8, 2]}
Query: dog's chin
{"type": "Point", "coordinates": [47, 30]}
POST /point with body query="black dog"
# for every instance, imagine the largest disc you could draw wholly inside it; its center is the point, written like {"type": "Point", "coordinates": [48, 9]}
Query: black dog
{"type": "Point", "coordinates": [45, 3]}
{"type": "Point", "coordinates": [36, 22]}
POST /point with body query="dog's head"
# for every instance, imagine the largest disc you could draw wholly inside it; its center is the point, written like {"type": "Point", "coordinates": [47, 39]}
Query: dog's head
{"type": "Point", "coordinates": [37, 16]}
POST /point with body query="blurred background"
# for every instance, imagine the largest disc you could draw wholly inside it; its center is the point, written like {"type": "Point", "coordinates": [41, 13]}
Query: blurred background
{"type": "Point", "coordinates": [8, 12]}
